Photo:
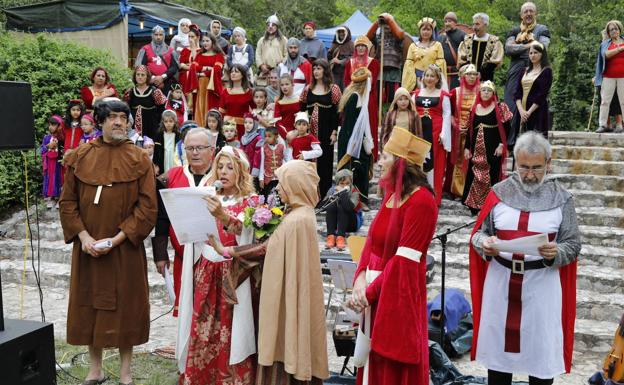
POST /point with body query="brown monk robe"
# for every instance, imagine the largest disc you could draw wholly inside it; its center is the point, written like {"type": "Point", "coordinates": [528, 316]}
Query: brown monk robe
{"type": "Point", "coordinates": [108, 188]}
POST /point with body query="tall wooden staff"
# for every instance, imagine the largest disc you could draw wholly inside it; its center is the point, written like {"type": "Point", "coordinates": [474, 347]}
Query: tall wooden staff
{"type": "Point", "coordinates": [381, 87]}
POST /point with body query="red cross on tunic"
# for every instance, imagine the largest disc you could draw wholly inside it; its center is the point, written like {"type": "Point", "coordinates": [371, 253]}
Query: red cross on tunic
{"type": "Point", "coordinates": [514, 302]}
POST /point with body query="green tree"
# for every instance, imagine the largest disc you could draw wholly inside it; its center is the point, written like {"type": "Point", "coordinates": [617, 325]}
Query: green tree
{"type": "Point", "coordinates": [56, 70]}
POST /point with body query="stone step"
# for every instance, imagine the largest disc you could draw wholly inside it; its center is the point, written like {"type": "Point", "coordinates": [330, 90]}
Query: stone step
{"type": "Point", "coordinates": [597, 198]}
{"type": "Point", "coordinates": [591, 182]}
{"type": "Point", "coordinates": [611, 154]}
{"type": "Point", "coordinates": [57, 275]}
{"type": "Point", "coordinates": [591, 139]}
{"type": "Point", "coordinates": [591, 167]}
{"type": "Point", "coordinates": [597, 314]}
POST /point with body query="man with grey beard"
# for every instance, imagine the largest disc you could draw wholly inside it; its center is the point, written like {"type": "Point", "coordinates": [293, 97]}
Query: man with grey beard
{"type": "Point", "coordinates": [524, 305]}
{"type": "Point", "coordinates": [107, 208]}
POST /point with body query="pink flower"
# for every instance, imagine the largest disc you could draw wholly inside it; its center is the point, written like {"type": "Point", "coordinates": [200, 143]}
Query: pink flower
{"type": "Point", "coordinates": [262, 216]}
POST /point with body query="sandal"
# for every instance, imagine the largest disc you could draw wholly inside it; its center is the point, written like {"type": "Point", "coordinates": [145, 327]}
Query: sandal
{"type": "Point", "coordinates": [95, 382]}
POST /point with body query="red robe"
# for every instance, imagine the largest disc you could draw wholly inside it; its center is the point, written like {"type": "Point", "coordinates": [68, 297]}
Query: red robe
{"type": "Point", "coordinates": [209, 87]}
{"type": "Point", "coordinates": [236, 105]}
{"type": "Point", "coordinates": [286, 110]}
{"type": "Point", "coordinates": [177, 179]}
{"type": "Point", "coordinates": [303, 143]}
{"type": "Point", "coordinates": [373, 99]}
{"type": "Point", "coordinates": [398, 296]}
{"type": "Point", "coordinates": [87, 96]}
{"type": "Point", "coordinates": [68, 144]}
{"type": "Point", "coordinates": [478, 271]}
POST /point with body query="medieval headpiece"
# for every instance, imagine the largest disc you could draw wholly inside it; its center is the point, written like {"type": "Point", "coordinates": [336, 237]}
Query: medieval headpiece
{"type": "Point", "coordinates": [489, 85]}
{"type": "Point", "coordinates": [363, 40]}
{"type": "Point", "coordinates": [273, 20]}
{"type": "Point", "coordinates": [175, 87]}
{"type": "Point", "coordinates": [293, 41]}
{"type": "Point", "coordinates": [302, 116]}
{"type": "Point", "coordinates": [310, 24]}
{"type": "Point", "coordinates": [426, 20]}
{"type": "Point", "coordinates": [237, 155]}
{"type": "Point", "coordinates": [408, 146]}
{"type": "Point", "coordinates": [229, 122]}
{"type": "Point", "coordinates": [468, 69]}
{"type": "Point", "coordinates": [170, 113]}
{"type": "Point", "coordinates": [157, 28]}
{"type": "Point", "coordinates": [240, 31]}
{"type": "Point", "coordinates": [147, 141]}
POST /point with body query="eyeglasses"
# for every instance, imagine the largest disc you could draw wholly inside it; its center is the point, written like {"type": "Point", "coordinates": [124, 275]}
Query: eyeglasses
{"type": "Point", "coordinates": [196, 148]}
{"type": "Point", "coordinates": [535, 170]}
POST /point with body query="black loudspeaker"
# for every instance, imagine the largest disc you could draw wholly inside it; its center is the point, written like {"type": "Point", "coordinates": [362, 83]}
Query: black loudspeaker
{"type": "Point", "coordinates": [27, 353]}
{"type": "Point", "coordinates": [17, 130]}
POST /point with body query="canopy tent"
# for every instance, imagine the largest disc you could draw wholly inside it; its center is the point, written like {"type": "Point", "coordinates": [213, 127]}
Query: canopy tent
{"type": "Point", "coordinates": [104, 24]}
{"type": "Point", "coordinates": [358, 23]}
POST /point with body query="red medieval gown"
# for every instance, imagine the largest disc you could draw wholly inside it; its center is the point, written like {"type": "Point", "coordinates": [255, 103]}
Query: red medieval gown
{"type": "Point", "coordinates": [430, 110]}
{"type": "Point", "coordinates": [373, 99]}
{"type": "Point", "coordinates": [286, 108]}
{"type": "Point", "coordinates": [87, 95]}
{"type": "Point", "coordinates": [211, 329]}
{"type": "Point", "coordinates": [398, 296]}
{"type": "Point", "coordinates": [236, 105]}
{"type": "Point", "coordinates": [206, 89]}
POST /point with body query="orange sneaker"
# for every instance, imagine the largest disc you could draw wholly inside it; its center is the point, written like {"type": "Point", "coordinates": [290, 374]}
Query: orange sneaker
{"type": "Point", "coordinates": [341, 243]}
{"type": "Point", "coordinates": [330, 242]}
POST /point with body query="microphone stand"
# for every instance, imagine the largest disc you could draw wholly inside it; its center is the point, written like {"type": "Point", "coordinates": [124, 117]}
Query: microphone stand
{"type": "Point", "coordinates": [443, 239]}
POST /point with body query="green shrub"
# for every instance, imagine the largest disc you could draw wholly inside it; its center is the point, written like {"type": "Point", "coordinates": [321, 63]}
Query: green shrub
{"type": "Point", "coordinates": [56, 70]}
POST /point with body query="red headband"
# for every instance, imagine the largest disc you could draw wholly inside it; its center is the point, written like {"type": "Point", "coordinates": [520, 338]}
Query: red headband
{"type": "Point", "coordinates": [310, 24]}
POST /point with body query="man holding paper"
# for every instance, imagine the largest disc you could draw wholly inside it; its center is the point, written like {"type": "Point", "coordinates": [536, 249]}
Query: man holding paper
{"type": "Point", "coordinates": [523, 256]}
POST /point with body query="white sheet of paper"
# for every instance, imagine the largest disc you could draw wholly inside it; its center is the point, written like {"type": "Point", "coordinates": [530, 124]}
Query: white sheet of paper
{"type": "Point", "coordinates": [188, 213]}
{"type": "Point", "coordinates": [525, 245]}
{"type": "Point", "coordinates": [169, 286]}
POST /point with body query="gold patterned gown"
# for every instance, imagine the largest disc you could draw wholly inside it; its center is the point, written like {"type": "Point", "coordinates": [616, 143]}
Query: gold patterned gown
{"type": "Point", "coordinates": [462, 114]}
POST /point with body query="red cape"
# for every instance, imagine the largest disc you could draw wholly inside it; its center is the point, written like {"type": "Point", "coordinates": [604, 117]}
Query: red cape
{"type": "Point", "coordinates": [478, 270]}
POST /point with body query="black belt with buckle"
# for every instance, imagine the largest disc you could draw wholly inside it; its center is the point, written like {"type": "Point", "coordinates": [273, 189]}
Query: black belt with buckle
{"type": "Point", "coordinates": [519, 266]}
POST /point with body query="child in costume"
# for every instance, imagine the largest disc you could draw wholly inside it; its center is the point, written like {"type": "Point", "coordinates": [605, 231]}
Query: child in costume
{"type": "Point", "coordinates": [402, 113]}
{"type": "Point", "coordinates": [71, 125]}
{"type": "Point", "coordinates": [52, 154]}
{"type": "Point", "coordinates": [177, 103]}
{"type": "Point", "coordinates": [251, 143]}
{"type": "Point", "coordinates": [214, 122]}
{"type": "Point", "coordinates": [89, 130]}
{"type": "Point", "coordinates": [286, 106]}
{"type": "Point", "coordinates": [165, 141]}
{"type": "Point", "coordinates": [304, 145]}
{"type": "Point", "coordinates": [273, 154]}
{"type": "Point", "coordinates": [230, 132]}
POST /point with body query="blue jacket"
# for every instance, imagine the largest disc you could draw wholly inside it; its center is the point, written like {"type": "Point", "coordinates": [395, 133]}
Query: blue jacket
{"type": "Point", "coordinates": [601, 61]}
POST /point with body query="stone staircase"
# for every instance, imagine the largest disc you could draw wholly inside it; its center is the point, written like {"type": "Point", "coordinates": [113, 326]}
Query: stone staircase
{"type": "Point", "coordinates": [590, 166]}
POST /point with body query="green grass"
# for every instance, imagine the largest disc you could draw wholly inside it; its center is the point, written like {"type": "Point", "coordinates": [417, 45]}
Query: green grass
{"type": "Point", "coordinates": [147, 369]}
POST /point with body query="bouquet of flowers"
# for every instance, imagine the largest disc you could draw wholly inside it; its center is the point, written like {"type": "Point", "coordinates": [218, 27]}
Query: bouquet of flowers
{"type": "Point", "coordinates": [263, 216]}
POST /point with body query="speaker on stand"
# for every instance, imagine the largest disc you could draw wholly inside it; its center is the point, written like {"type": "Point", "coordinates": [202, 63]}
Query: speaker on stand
{"type": "Point", "coordinates": [26, 347]}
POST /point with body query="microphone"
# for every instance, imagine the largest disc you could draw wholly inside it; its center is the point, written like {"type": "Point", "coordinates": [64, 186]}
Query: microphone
{"type": "Point", "coordinates": [218, 186]}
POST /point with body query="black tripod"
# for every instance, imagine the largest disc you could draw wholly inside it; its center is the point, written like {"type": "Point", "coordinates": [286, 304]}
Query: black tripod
{"type": "Point", "coordinates": [443, 239]}
{"type": "Point", "coordinates": [328, 201]}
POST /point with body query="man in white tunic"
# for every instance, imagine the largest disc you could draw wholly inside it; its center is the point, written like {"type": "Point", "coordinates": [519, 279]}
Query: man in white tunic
{"type": "Point", "coordinates": [524, 305]}
{"type": "Point", "coordinates": [297, 66]}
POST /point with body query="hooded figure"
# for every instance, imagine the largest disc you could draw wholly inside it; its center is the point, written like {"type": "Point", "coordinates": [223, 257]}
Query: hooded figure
{"type": "Point", "coordinates": [180, 40]}
{"type": "Point", "coordinates": [339, 53]}
{"type": "Point", "coordinates": [224, 44]}
{"type": "Point", "coordinates": [292, 333]}
{"type": "Point", "coordinates": [297, 66]}
{"type": "Point", "coordinates": [160, 59]}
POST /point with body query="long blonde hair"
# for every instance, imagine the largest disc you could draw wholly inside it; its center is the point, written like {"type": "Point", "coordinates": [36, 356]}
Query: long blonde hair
{"type": "Point", "coordinates": [244, 182]}
{"type": "Point", "coordinates": [359, 88]}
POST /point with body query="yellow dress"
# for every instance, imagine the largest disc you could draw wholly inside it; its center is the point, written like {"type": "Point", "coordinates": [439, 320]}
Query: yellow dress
{"type": "Point", "coordinates": [418, 59]}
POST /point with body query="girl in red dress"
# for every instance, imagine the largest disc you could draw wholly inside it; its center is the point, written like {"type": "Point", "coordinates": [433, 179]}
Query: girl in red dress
{"type": "Point", "coordinates": [188, 63]}
{"type": "Point", "coordinates": [210, 351]}
{"type": "Point", "coordinates": [361, 59]}
{"type": "Point", "coordinates": [286, 107]}
{"type": "Point", "coordinates": [434, 108]}
{"type": "Point", "coordinates": [390, 284]}
{"type": "Point", "coordinates": [209, 67]}
{"type": "Point", "coordinates": [238, 99]}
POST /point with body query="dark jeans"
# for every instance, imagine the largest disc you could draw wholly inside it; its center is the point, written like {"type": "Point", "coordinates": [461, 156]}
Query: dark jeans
{"type": "Point", "coordinates": [501, 378]}
{"type": "Point", "coordinates": [341, 217]}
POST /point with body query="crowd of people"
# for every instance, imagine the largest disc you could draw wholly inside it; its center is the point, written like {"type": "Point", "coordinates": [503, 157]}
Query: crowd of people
{"type": "Point", "coordinates": [266, 122]}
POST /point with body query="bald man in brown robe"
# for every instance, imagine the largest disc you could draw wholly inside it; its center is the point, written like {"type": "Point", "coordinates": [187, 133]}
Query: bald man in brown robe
{"type": "Point", "coordinates": [109, 195]}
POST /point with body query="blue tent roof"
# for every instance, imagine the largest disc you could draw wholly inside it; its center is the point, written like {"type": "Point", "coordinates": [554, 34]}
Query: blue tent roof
{"type": "Point", "coordinates": [358, 23]}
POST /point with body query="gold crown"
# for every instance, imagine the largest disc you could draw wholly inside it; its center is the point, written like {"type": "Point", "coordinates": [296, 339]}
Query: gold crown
{"type": "Point", "coordinates": [427, 20]}
{"type": "Point", "coordinates": [408, 146]}
{"type": "Point", "coordinates": [468, 69]}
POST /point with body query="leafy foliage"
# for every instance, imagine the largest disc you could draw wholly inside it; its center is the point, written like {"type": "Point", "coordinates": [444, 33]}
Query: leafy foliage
{"type": "Point", "coordinates": [56, 71]}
